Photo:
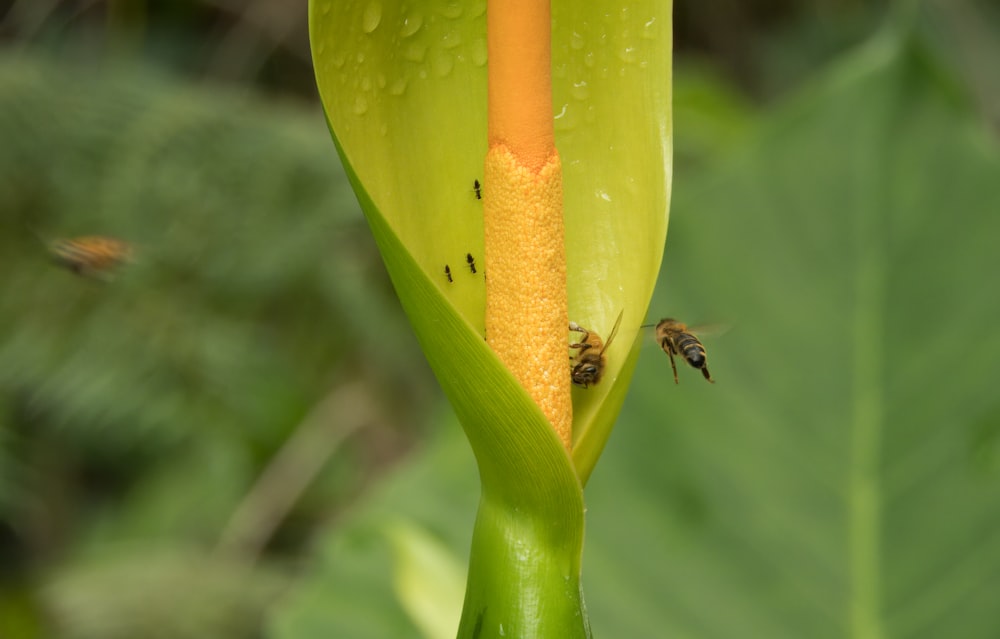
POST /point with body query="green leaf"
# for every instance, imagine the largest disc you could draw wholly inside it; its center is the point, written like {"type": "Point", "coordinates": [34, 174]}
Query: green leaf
{"type": "Point", "coordinates": [404, 88]}
{"type": "Point", "coordinates": [405, 95]}
{"type": "Point", "coordinates": [612, 68]}
{"type": "Point", "coordinates": [530, 493]}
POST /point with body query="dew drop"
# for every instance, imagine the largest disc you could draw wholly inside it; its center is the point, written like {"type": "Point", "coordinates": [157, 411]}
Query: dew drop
{"type": "Point", "coordinates": [366, 84]}
{"type": "Point", "coordinates": [360, 105]}
{"type": "Point", "coordinates": [411, 24]}
{"type": "Point", "coordinates": [580, 90]}
{"type": "Point", "coordinates": [415, 52]}
{"type": "Point", "coordinates": [398, 86]}
{"type": "Point", "coordinates": [380, 80]}
{"type": "Point", "coordinates": [451, 39]}
{"type": "Point", "coordinates": [479, 52]}
{"type": "Point", "coordinates": [452, 10]}
{"type": "Point", "coordinates": [371, 17]}
{"type": "Point", "coordinates": [649, 29]}
{"type": "Point", "coordinates": [442, 64]}
{"type": "Point", "coordinates": [576, 41]}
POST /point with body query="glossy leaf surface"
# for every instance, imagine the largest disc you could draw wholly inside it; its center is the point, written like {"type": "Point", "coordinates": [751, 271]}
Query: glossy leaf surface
{"type": "Point", "coordinates": [404, 87]}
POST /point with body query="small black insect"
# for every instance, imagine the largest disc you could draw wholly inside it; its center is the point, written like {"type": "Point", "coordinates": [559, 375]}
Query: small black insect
{"type": "Point", "coordinates": [478, 188]}
{"type": "Point", "coordinates": [447, 273]}
{"type": "Point", "coordinates": [472, 262]}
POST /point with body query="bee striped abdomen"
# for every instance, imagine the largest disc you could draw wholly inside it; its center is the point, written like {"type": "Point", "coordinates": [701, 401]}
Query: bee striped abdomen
{"type": "Point", "coordinates": [692, 349]}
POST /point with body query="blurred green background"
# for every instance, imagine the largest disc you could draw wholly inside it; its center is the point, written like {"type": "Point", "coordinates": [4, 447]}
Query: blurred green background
{"type": "Point", "coordinates": [236, 436]}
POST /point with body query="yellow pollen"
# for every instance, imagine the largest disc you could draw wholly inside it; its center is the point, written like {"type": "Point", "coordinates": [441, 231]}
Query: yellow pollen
{"type": "Point", "coordinates": [525, 267]}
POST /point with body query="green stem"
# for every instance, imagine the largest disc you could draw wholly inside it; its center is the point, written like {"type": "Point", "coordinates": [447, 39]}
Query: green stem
{"type": "Point", "coordinates": [524, 577]}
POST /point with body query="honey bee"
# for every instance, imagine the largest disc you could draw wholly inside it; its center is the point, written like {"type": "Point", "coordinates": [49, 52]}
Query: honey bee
{"type": "Point", "coordinates": [589, 362]}
{"type": "Point", "coordinates": [478, 189]}
{"type": "Point", "coordinates": [676, 339]}
{"type": "Point", "coordinates": [93, 255]}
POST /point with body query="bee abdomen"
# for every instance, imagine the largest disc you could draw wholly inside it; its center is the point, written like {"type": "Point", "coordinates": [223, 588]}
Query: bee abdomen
{"type": "Point", "coordinates": [693, 351]}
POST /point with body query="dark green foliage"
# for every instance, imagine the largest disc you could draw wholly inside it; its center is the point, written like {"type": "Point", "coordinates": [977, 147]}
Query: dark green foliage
{"type": "Point", "coordinates": [143, 408]}
{"type": "Point", "coordinates": [827, 485]}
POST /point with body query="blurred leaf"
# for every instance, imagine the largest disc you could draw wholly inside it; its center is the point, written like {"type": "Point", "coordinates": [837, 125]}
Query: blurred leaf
{"type": "Point", "coordinates": [789, 53]}
{"type": "Point", "coordinates": [430, 580]}
{"type": "Point", "coordinates": [143, 408]}
{"type": "Point", "coordinates": [827, 484]}
{"type": "Point", "coordinates": [159, 592]}
{"type": "Point", "coordinates": [712, 117]}
{"type": "Point", "coordinates": [351, 591]}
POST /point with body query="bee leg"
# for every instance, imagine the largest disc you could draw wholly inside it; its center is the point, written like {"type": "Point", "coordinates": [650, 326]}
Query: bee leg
{"type": "Point", "coordinates": [670, 354]}
{"type": "Point", "coordinates": [576, 328]}
{"type": "Point", "coordinates": [704, 371]}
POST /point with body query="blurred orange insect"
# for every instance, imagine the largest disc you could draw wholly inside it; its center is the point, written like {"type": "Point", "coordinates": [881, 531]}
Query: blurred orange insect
{"type": "Point", "coordinates": [91, 255]}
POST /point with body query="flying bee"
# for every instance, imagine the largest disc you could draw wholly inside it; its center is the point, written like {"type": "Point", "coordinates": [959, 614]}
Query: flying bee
{"type": "Point", "coordinates": [478, 189]}
{"type": "Point", "coordinates": [676, 339]}
{"type": "Point", "coordinates": [93, 255]}
{"type": "Point", "coordinates": [589, 362]}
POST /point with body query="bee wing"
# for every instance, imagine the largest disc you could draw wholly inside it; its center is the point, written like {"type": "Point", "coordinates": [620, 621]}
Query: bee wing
{"type": "Point", "coordinates": [614, 331]}
{"type": "Point", "coordinates": [714, 329]}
